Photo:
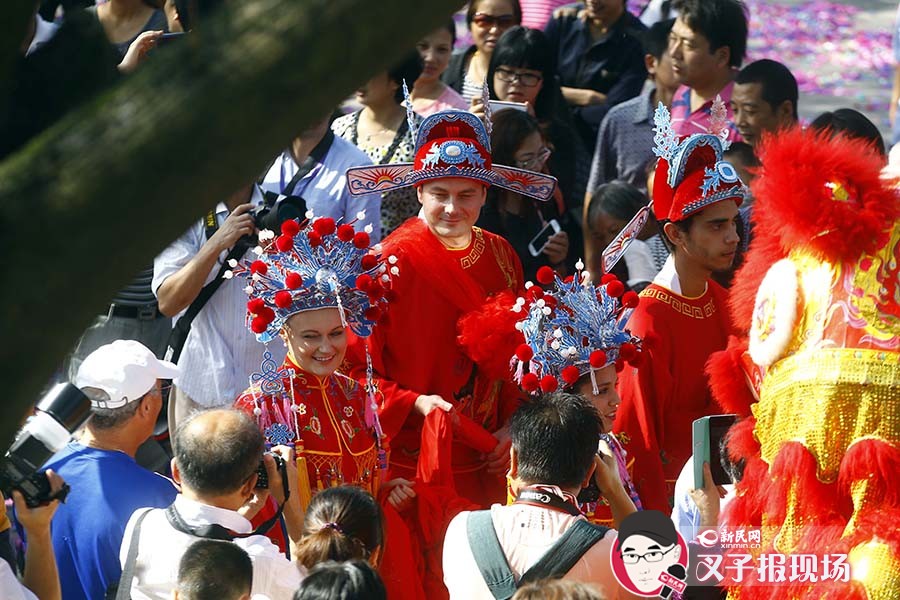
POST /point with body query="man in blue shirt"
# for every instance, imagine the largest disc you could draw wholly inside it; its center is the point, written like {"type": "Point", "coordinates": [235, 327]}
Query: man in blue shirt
{"type": "Point", "coordinates": [314, 168]}
{"type": "Point", "coordinates": [124, 382]}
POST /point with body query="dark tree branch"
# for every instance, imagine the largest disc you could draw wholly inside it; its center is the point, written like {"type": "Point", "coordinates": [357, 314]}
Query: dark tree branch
{"type": "Point", "coordinates": [88, 203]}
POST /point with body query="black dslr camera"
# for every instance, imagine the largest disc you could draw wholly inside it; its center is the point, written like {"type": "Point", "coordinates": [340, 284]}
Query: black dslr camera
{"type": "Point", "coordinates": [262, 482]}
{"type": "Point", "coordinates": [60, 412]}
{"type": "Point", "coordinates": [276, 209]}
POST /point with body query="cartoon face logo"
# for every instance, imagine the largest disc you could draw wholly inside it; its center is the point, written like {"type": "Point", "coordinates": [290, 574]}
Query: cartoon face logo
{"type": "Point", "coordinates": [649, 557]}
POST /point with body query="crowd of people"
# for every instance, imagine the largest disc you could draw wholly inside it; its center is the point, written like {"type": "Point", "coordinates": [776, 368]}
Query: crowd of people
{"type": "Point", "coordinates": [454, 343]}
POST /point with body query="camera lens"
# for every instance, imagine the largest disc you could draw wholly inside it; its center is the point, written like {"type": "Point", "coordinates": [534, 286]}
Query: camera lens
{"type": "Point", "coordinates": [67, 405]}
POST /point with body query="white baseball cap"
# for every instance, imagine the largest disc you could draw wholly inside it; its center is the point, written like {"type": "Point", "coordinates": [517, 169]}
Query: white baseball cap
{"type": "Point", "coordinates": [125, 370]}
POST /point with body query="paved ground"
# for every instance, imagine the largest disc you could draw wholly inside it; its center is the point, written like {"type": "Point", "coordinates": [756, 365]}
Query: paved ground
{"type": "Point", "coordinates": [840, 51]}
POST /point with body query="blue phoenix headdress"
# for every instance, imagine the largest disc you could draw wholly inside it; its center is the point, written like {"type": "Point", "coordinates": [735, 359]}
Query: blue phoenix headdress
{"type": "Point", "coordinates": [572, 329]}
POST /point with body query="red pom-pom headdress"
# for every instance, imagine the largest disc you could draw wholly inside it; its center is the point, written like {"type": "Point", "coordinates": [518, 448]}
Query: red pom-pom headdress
{"type": "Point", "coordinates": [571, 329]}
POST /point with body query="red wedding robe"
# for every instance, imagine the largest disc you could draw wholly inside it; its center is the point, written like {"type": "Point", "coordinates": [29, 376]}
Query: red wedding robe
{"type": "Point", "coordinates": [661, 400]}
{"type": "Point", "coordinates": [415, 351]}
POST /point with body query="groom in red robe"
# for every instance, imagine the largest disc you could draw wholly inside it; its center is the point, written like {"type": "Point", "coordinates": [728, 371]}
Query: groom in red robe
{"type": "Point", "coordinates": [448, 269]}
{"type": "Point", "coordinates": [683, 314]}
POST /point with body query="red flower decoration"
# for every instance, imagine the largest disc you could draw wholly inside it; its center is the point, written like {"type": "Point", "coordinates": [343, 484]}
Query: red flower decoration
{"type": "Point", "coordinates": [369, 261]}
{"type": "Point", "coordinates": [324, 226]}
{"type": "Point", "coordinates": [364, 282]}
{"type": "Point", "coordinates": [598, 359]}
{"type": "Point", "coordinates": [570, 374]}
{"type": "Point", "coordinates": [361, 240]}
{"type": "Point", "coordinates": [630, 299]}
{"type": "Point", "coordinates": [258, 325]}
{"type": "Point", "coordinates": [524, 352]}
{"type": "Point", "coordinates": [293, 281]}
{"type": "Point", "coordinates": [258, 266]}
{"type": "Point", "coordinates": [314, 239]}
{"type": "Point", "coordinates": [549, 384]}
{"type": "Point", "coordinates": [255, 305]}
{"type": "Point", "coordinates": [290, 228]}
{"type": "Point", "coordinates": [283, 299]}
{"type": "Point", "coordinates": [284, 243]}
{"type": "Point", "coordinates": [615, 288]}
{"type": "Point", "coordinates": [545, 275]}
{"type": "Point", "coordinates": [345, 232]}
{"type": "Point", "coordinates": [530, 382]}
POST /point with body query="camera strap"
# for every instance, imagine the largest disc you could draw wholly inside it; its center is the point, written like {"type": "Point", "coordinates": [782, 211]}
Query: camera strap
{"type": "Point", "coordinates": [316, 157]}
{"type": "Point", "coordinates": [182, 327]}
{"type": "Point", "coordinates": [547, 497]}
{"type": "Point", "coordinates": [214, 531]}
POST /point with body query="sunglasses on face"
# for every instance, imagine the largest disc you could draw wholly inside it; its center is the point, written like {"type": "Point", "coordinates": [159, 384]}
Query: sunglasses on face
{"type": "Point", "coordinates": [488, 21]}
{"type": "Point", "coordinates": [526, 79]}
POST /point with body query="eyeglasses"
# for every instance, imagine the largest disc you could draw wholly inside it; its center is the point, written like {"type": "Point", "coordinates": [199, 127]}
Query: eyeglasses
{"type": "Point", "coordinates": [653, 556]}
{"type": "Point", "coordinates": [526, 79]}
{"type": "Point", "coordinates": [499, 21]}
{"type": "Point", "coordinates": [535, 161]}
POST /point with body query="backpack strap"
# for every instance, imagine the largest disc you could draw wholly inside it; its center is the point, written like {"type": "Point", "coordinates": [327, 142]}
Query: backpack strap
{"type": "Point", "coordinates": [123, 591]}
{"type": "Point", "coordinates": [489, 555]}
{"type": "Point", "coordinates": [568, 550]}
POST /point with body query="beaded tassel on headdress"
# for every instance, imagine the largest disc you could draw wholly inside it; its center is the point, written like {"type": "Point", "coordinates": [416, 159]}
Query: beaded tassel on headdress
{"type": "Point", "coordinates": [488, 114]}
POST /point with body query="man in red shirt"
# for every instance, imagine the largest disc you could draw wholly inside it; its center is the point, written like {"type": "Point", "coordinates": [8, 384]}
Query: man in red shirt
{"type": "Point", "coordinates": [448, 269]}
{"type": "Point", "coordinates": [682, 316]}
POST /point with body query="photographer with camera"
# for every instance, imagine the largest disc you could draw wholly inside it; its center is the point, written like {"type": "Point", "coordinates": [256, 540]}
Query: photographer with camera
{"type": "Point", "coordinates": [41, 578]}
{"type": "Point", "coordinates": [124, 382]}
{"type": "Point", "coordinates": [218, 352]}
{"type": "Point", "coordinates": [217, 456]}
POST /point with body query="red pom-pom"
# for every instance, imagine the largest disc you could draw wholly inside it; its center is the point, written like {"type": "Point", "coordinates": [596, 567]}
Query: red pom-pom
{"type": "Point", "coordinates": [549, 301]}
{"type": "Point", "coordinates": [267, 314]}
{"type": "Point", "coordinates": [293, 281]}
{"type": "Point", "coordinates": [258, 266]}
{"type": "Point", "coordinates": [530, 382]}
{"type": "Point", "coordinates": [314, 239]}
{"type": "Point", "coordinates": [368, 262]}
{"type": "Point", "coordinates": [630, 299]}
{"type": "Point", "coordinates": [373, 313]}
{"type": "Point", "coordinates": [636, 360]}
{"type": "Point", "coordinates": [290, 228]}
{"type": "Point", "coordinates": [545, 275]}
{"type": "Point", "coordinates": [364, 282]}
{"type": "Point", "coordinates": [284, 243]}
{"type": "Point", "coordinates": [258, 325]}
{"type": "Point", "coordinates": [627, 351]}
{"type": "Point", "coordinates": [569, 279]}
{"type": "Point", "coordinates": [345, 232]}
{"type": "Point", "coordinates": [324, 226]}
{"type": "Point", "coordinates": [549, 384]}
{"type": "Point", "coordinates": [598, 359]}
{"type": "Point", "coordinates": [570, 374]}
{"type": "Point", "coordinates": [615, 288]}
{"type": "Point", "coordinates": [283, 299]}
{"type": "Point", "coordinates": [524, 352]}
{"type": "Point", "coordinates": [536, 292]}
{"type": "Point", "coordinates": [361, 240]}
{"type": "Point", "coordinates": [620, 364]}
{"type": "Point", "coordinates": [607, 278]}
{"type": "Point", "coordinates": [255, 306]}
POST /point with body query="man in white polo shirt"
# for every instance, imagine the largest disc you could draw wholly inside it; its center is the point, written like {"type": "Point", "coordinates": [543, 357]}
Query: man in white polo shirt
{"type": "Point", "coordinates": [216, 457]}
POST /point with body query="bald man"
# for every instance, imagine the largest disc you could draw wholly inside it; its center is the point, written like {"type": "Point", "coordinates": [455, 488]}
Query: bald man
{"type": "Point", "coordinates": [217, 453]}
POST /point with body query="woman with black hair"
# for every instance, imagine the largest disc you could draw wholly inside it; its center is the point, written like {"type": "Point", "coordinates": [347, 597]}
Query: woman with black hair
{"type": "Point", "coordinates": [380, 129]}
{"type": "Point", "coordinates": [351, 580]}
{"type": "Point", "coordinates": [430, 94]}
{"type": "Point", "coordinates": [487, 20]}
{"type": "Point", "coordinates": [611, 207]}
{"type": "Point", "coordinates": [517, 140]}
{"type": "Point", "coordinates": [523, 70]}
